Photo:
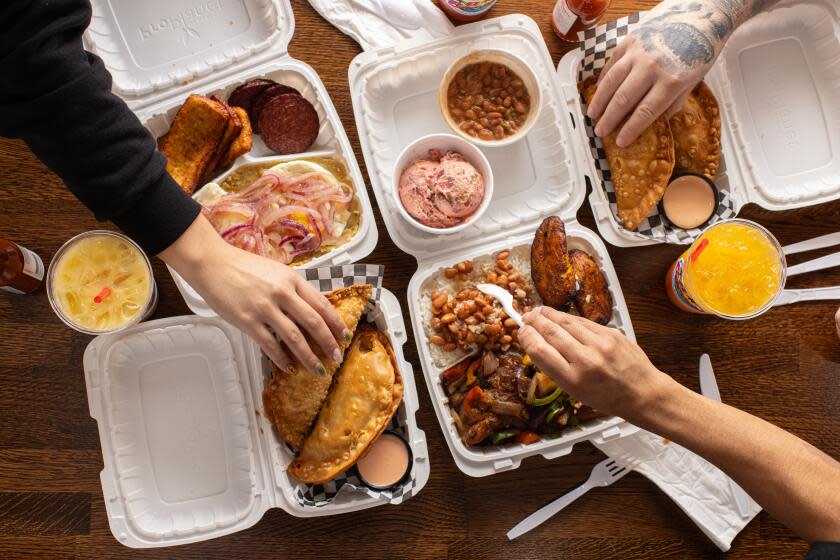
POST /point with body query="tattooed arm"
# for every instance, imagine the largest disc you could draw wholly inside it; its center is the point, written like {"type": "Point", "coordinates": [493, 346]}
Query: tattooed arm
{"type": "Point", "coordinates": [655, 68]}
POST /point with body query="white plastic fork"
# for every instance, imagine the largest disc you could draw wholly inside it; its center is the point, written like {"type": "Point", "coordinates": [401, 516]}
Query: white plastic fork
{"type": "Point", "coordinates": [603, 474]}
{"type": "Point", "coordinates": [504, 297]}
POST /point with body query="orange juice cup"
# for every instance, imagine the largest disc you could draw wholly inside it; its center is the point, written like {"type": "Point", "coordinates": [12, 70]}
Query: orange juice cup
{"type": "Point", "coordinates": [734, 270]}
{"type": "Point", "coordinates": [101, 282]}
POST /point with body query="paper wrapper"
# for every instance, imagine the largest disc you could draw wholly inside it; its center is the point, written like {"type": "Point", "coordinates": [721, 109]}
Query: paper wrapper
{"type": "Point", "coordinates": [597, 44]}
{"type": "Point", "coordinates": [326, 279]}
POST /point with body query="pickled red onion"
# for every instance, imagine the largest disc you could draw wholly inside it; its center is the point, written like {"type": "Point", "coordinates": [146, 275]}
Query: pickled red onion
{"type": "Point", "coordinates": [282, 216]}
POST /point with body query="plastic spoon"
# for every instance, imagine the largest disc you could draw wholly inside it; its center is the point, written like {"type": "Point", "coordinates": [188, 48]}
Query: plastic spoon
{"type": "Point", "coordinates": [820, 242]}
{"type": "Point", "coordinates": [821, 263]}
{"type": "Point", "coordinates": [812, 294]}
{"type": "Point", "coordinates": [504, 297]}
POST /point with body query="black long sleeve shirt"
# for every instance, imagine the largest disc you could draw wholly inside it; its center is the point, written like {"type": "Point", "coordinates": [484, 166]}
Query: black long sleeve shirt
{"type": "Point", "coordinates": [57, 98]}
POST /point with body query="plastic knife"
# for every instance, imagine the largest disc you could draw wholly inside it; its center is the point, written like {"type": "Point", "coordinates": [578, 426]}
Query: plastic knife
{"type": "Point", "coordinates": [709, 388]}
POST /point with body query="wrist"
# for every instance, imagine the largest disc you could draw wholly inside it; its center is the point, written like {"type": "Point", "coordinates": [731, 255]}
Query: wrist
{"type": "Point", "coordinates": [198, 247]}
{"type": "Point", "coordinates": [664, 400]}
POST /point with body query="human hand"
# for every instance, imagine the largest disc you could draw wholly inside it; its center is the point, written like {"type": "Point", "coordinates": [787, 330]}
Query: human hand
{"type": "Point", "coordinates": [653, 70]}
{"type": "Point", "coordinates": [266, 299]}
{"type": "Point", "coordinates": [595, 364]}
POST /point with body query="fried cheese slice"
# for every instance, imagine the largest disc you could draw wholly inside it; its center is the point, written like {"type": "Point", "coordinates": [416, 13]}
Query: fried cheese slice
{"type": "Point", "coordinates": [696, 130]}
{"type": "Point", "coordinates": [641, 171]}
{"type": "Point", "coordinates": [365, 395]}
{"type": "Point", "coordinates": [292, 399]}
{"type": "Point", "coordinates": [192, 140]}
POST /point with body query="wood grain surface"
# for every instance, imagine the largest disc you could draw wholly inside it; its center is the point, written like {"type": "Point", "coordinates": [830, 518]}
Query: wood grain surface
{"type": "Point", "coordinates": [783, 367]}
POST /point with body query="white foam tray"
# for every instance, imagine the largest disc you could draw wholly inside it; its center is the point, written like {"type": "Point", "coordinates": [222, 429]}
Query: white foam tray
{"type": "Point", "coordinates": [394, 92]}
{"type": "Point", "coordinates": [160, 52]}
{"type": "Point", "coordinates": [188, 453]}
{"type": "Point", "coordinates": [778, 86]}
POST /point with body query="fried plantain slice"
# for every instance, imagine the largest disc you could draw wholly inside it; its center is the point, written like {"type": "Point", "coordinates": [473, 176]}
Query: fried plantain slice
{"type": "Point", "coordinates": [696, 130]}
{"type": "Point", "coordinates": [592, 299]}
{"type": "Point", "coordinates": [292, 399]}
{"type": "Point", "coordinates": [641, 171]}
{"type": "Point", "coordinates": [551, 270]}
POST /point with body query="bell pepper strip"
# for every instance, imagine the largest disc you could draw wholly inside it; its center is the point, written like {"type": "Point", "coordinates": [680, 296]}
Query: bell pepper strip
{"type": "Point", "coordinates": [499, 437]}
{"type": "Point", "coordinates": [526, 360]}
{"type": "Point", "coordinates": [547, 399]}
{"type": "Point", "coordinates": [471, 379]}
{"type": "Point", "coordinates": [455, 371]}
{"type": "Point", "coordinates": [555, 407]}
{"type": "Point", "coordinates": [527, 438]}
{"type": "Point", "coordinates": [471, 409]}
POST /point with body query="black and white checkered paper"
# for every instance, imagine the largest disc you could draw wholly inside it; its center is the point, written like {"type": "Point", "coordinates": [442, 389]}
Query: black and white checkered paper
{"type": "Point", "coordinates": [597, 44]}
{"type": "Point", "coordinates": [326, 279]}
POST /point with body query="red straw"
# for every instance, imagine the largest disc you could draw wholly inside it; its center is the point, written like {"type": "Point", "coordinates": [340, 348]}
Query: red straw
{"type": "Point", "coordinates": [103, 293]}
{"type": "Point", "coordinates": [699, 249]}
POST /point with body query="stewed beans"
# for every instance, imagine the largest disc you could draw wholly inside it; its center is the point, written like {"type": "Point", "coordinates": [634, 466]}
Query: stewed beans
{"type": "Point", "coordinates": [488, 100]}
{"type": "Point", "coordinates": [469, 319]}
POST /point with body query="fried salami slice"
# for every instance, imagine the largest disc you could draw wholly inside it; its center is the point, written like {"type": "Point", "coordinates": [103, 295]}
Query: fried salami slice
{"type": "Point", "coordinates": [245, 95]}
{"type": "Point", "coordinates": [592, 299]}
{"type": "Point", "coordinates": [262, 100]}
{"type": "Point", "coordinates": [289, 124]}
{"type": "Point", "coordinates": [551, 270]}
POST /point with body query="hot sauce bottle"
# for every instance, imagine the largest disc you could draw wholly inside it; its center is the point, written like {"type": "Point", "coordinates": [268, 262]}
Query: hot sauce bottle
{"type": "Point", "coordinates": [465, 10]}
{"type": "Point", "coordinates": [21, 270]}
{"type": "Point", "coordinates": [571, 16]}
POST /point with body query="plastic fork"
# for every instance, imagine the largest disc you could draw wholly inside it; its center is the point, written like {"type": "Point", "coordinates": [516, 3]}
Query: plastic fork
{"type": "Point", "coordinates": [603, 474]}
{"type": "Point", "coordinates": [504, 297]}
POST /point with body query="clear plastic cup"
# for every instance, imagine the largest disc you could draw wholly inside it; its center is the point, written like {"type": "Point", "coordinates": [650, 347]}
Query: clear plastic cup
{"type": "Point", "coordinates": [55, 284]}
{"type": "Point", "coordinates": [683, 285]}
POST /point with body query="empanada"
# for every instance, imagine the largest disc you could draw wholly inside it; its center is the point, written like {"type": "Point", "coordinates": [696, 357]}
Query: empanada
{"type": "Point", "coordinates": [365, 395]}
{"type": "Point", "coordinates": [292, 399]}
{"type": "Point", "coordinates": [696, 130]}
{"type": "Point", "coordinates": [640, 172]}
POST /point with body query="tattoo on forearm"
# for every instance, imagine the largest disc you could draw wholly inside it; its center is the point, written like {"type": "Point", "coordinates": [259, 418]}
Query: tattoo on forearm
{"type": "Point", "coordinates": [688, 34]}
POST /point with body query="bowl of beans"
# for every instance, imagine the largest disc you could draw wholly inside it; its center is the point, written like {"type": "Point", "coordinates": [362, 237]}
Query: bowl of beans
{"type": "Point", "coordinates": [490, 97]}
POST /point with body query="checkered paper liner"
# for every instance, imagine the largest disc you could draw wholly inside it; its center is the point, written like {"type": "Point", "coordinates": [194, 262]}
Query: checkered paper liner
{"type": "Point", "coordinates": [326, 279]}
{"type": "Point", "coordinates": [597, 44]}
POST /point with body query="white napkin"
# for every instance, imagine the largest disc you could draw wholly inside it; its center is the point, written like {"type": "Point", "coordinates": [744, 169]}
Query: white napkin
{"type": "Point", "coordinates": [699, 488]}
{"type": "Point", "coordinates": [382, 23]}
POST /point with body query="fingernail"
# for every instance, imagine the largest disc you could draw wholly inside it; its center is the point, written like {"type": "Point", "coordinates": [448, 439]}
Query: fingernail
{"type": "Point", "coordinates": [590, 112]}
{"type": "Point", "coordinates": [599, 130]}
{"type": "Point", "coordinates": [337, 356]}
{"type": "Point", "coordinates": [621, 142]}
{"type": "Point", "coordinates": [347, 335]}
{"type": "Point", "coordinates": [321, 369]}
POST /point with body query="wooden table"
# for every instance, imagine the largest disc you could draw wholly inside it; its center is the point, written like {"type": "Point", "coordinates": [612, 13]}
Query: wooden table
{"type": "Point", "coordinates": [783, 366]}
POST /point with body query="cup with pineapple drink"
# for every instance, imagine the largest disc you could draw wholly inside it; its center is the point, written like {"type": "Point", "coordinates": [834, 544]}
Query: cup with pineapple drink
{"type": "Point", "coordinates": [734, 270]}
{"type": "Point", "coordinates": [100, 282]}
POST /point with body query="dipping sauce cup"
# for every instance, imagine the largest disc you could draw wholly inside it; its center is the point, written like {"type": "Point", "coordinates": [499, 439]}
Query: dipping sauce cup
{"type": "Point", "coordinates": [101, 282]}
{"type": "Point", "coordinates": [386, 463]}
{"type": "Point", "coordinates": [734, 270]}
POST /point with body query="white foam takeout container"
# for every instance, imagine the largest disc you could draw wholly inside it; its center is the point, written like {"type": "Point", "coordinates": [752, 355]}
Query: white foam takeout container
{"type": "Point", "coordinates": [395, 100]}
{"type": "Point", "coordinates": [188, 453]}
{"type": "Point", "coordinates": [777, 82]}
{"type": "Point", "coordinates": [161, 51]}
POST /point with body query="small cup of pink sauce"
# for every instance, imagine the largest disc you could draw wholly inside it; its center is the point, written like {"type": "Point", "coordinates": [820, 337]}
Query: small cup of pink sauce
{"type": "Point", "coordinates": [386, 463]}
{"type": "Point", "coordinates": [690, 201]}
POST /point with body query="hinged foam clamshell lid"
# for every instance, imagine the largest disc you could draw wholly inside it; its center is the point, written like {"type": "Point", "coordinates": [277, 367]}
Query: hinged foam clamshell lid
{"type": "Point", "coordinates": [187, 455]}
{"type": "Point", "coordinates": [153, 47]}
{"type": "Point", "coordinates": [394, 92]}
{"type": "Point", "coordinates": [777, 82]}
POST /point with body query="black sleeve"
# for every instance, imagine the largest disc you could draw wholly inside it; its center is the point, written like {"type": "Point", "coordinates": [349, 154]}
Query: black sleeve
{"type": "Point", "coordinates": [824, 551]}
{"type": "Point", "coordinates": [57, 98]}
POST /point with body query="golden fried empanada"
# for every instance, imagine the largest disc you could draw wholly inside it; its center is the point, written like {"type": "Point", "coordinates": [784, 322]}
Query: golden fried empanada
{"type": "Point", "coordinates": [696, 130]}
{"type": "Point", "coordinates": [365, 395]}
{"type": "Point", "coordinates": [640, 172]}
{"type": "Point", "coordinates": [292, 399]}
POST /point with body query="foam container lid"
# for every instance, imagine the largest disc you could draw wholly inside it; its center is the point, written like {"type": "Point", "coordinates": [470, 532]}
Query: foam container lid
{"type": "Point", "coordinates": [394, 92]}
{"type": "Point", "coordinates": [777, 82]}
{"type": "Point", "coordinates": [188, 455]}
{"type": "Point", "coordinates": [159, 52]}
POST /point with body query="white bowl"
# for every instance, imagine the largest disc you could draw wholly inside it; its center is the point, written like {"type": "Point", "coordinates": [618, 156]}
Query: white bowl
{"type": "Point", "coordinates": [419, 149]}
{"type": "Point", "coordinates": [519, 66]}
